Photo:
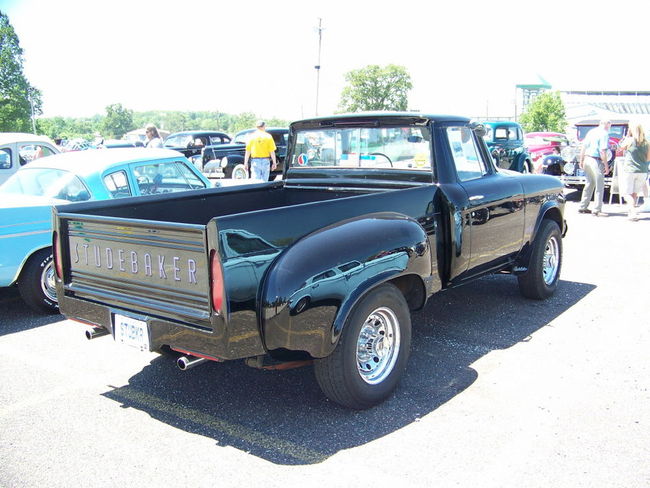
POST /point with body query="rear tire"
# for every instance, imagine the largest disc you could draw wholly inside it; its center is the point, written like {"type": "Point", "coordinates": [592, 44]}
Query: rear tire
{"type": "Point", "coordinates": [372, 352]}
{"type": "Point", "coordinates": [543, 275]}
{"type": "Point", "coordinates": [36, 282]}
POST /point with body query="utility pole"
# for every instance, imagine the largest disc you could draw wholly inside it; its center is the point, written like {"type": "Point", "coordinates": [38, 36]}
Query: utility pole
{"type": "Point", "coordinates": [320, 37]}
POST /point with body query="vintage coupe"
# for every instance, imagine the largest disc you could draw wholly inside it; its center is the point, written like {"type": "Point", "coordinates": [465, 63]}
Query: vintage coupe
{"type": "Point", "coordinates": [26, 201]}
{"type": "Point", "coordinates": [226, 160]}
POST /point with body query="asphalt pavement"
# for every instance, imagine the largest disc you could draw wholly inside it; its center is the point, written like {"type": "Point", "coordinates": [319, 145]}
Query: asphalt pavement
{"type": "Point", "coordinates": [500, 391]}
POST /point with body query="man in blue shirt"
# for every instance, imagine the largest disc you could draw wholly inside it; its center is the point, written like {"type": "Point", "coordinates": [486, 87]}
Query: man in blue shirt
{"type": "Point", "coordinates": [593, 160]}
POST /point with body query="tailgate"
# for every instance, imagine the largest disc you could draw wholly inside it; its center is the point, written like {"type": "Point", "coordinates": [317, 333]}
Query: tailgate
{"type": "Point", "coordinates": [158, 268]}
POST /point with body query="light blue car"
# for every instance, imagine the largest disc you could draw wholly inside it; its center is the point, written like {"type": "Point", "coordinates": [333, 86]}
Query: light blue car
{"type": "Point", "coordinates": [27, 197]}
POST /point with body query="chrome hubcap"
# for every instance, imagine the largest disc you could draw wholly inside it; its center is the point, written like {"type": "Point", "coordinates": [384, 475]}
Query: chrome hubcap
{"type": "Point", "coordinates": [47, 282]}
{"type": "Point", "coordinates": [551, 260]}
{"type": "Point", "coordinates": [378, 346]}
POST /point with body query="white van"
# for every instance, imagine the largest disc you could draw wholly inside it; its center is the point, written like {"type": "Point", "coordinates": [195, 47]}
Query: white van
{"type": "Point", "coordinates": [18, 149]}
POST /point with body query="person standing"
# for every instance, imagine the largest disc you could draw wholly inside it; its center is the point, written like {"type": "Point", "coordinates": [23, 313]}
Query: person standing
{"type": "Point", "coordinates": [593, 160]}
{"type": "Point", "coordinates": [260, 150]}
{"type": "Point", "coordinates": [153, 137]}
{"type": "Point", "coordinates": [632, 178]}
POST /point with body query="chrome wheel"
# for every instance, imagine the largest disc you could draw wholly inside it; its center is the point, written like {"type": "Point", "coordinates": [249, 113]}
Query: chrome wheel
{"type": "Point", "coordinates": [378, 345]}
{"type": "Point", "coordinates": [551, 260]}
{"type": "Point", "coordinates": [47, 282]}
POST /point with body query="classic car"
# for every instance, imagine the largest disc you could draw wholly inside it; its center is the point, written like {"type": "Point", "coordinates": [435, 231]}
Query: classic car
{"type": "Point", "coordinates": [572, 175]}
{"type": "Point", "coordinates": [18, 149]}
{"type": "Point", "coordinates": [192, 142]}
{"type": "Point", "coordinates": [541, 144]}
{"type": "Point", "coordinates": [375, 213]}
{"type": "Point", "coordinates": [27, 198]}
{"type": "Point", "coordinates": [505, 140]}
{"type": "Point", "coordinates": [227, 160]}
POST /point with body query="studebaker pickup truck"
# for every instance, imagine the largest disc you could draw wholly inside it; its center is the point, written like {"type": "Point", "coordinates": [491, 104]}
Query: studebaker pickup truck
{"type": "Point", "coordinates": [376, 212]}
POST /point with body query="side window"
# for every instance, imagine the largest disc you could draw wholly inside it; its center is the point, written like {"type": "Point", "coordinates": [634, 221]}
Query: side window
{"type": "Point", "coordinates": [467, 159]}
{"type": "Point", "coordinates": [5, 158]}
{"type": "Point", "coordinates": [118, 184]}
{"type": "Point", "coordinates": [165, 178]}
{"type": "Point", "coordinates": [501, 133]}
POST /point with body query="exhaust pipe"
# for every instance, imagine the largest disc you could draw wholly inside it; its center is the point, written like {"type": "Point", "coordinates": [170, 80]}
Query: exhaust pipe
{"type": "Point", "coordinates": [96, 332]}
{"type": "Point", "coordinates": [188, 362]}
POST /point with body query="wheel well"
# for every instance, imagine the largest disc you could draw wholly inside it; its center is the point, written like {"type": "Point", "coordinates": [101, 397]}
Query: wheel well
{"type": "Point", "coordinates": [555, 215]}
{"type": "Point", "coordinates": [413, 290]}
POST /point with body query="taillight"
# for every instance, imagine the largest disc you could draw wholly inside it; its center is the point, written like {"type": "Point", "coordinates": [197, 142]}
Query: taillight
{"type": "Point", "coordinates": [58, 265]}
{"type": "Point", "coordinates": [216, 281]}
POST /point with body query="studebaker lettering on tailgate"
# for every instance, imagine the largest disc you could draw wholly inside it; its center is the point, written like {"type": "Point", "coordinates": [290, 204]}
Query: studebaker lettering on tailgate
{"type": "Point", "coordinates": [133, 261]}
{"type": "Point", "coordinates": [124, 259]}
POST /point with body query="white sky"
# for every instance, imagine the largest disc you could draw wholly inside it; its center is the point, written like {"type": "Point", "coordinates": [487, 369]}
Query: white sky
{"type": "Point", "coordinates": [464, 57]}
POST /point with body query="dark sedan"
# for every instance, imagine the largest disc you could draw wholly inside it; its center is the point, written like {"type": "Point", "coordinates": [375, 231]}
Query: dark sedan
{"type": "Point", "coordinates": [192, 142]}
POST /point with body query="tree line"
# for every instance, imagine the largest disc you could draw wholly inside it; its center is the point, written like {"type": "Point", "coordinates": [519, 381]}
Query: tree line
{"type": "Point", "coordinates": [119, 120]}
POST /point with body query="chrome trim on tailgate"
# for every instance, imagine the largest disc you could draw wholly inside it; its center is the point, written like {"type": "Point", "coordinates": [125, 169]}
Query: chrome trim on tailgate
{"type": "Point", "coordinates": [158, 267]}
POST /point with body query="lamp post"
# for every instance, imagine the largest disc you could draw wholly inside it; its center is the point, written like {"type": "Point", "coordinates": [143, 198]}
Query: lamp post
{"type": "Point", "coordinates": [320, 36]}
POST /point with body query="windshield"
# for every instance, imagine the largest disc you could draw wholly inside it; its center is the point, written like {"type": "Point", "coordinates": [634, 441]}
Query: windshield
{"type": "Point", "coordinates": [47, 182]}
{"type": "Point", "coordinates": [394, 147]}
{"type": "Point", "coordinates": [615, 131]}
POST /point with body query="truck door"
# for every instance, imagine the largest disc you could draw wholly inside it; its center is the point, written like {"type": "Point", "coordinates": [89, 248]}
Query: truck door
{"type": "Point", "coordinates": [493, 209]}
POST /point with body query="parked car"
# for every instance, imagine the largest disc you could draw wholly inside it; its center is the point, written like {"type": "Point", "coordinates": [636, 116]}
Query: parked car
{"type": "Point", "coordinates": [192, 142]}
{"type": "Point", "coordinates": [572, 175]}
{"type": "Point", "coordinates": [541, 144]}
{"type": "Point", "coordinates": [227, 160]}
{"type": "Point", "coordinates": [375, 213]}
{"type": "Point", "coordinates": [505, 140]}
{"type": "Point", "coordinates": [18, 149]}
{"type": "Point", "coordinates": [27, 197]}
{"type": "Point", "coordinates": [119, 143]}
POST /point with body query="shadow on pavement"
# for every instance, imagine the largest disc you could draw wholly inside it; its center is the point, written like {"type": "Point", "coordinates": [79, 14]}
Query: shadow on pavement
{"type": "Point", "coordinates": [284, 418]}
{"type": "Point", "coordinates": [16, 316]}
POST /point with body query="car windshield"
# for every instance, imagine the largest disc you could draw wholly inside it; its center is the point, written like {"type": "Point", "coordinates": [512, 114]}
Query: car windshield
{"type": "Point", "coordinates": [394, 147]}
{"type": "Point", "coordinates": [616, 131]}
{"type": "Point", "coordinates": [242, 137]}
{"type": "Point", "coordinates": [47, 182]}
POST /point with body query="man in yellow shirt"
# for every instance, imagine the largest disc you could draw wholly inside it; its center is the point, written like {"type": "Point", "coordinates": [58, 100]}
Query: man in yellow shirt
{"type": "Point", "coordinates": [260, 149]}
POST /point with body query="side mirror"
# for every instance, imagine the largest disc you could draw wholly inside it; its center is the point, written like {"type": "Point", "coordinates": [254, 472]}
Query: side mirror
{"type": "Point", "coordinates": [414, 139]}
{"type": "Point", "coordinates": [478, 128]}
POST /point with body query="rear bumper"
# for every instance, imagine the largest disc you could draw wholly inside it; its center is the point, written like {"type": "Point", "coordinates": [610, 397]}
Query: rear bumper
{"type": "Point", "coordinates": [581, 180]}
{"type": "Point", "coordinates": [222, 343]}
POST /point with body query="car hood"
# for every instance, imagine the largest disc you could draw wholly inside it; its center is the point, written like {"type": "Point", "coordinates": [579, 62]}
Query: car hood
{"type": "Point", "coordinates": [14, 200]}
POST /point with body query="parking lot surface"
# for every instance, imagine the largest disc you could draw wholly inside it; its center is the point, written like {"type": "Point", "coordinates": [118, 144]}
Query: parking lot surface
{"type": "Point", "coordinates": [500, 391]}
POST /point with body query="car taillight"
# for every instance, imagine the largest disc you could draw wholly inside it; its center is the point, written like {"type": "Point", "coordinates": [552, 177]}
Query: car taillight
{"type": "Point", "coordinates": [58, 265]}
{"type": "Point", "coordinates": [216, 281]}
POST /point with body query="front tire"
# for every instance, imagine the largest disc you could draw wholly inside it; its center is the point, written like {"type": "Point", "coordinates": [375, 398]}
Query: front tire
{"type": "Point", "coordinates": [239, 172]}
{"type": "Point", "coordinates": [372, 352]}
{"type": "Point", "coordinates": [543, 275]}
{"type": "Point", "coordinates": [36, 282]}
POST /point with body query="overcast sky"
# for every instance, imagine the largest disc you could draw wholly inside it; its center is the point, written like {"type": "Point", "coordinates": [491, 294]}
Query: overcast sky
{"type": "Point", "coordinates": [464, 57]}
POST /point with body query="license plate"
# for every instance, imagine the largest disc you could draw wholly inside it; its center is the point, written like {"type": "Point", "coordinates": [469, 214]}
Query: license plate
{"type": "Point", "coordinates": [131, 332]}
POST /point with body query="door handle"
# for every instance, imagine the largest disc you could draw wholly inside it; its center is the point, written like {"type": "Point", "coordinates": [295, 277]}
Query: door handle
{"type": "Point", "coordinates": [476, 197]}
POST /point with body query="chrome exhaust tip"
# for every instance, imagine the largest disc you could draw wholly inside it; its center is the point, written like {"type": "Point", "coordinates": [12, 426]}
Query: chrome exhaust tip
{"type": "Point", "coordinates": [96, 332]}
{"type": "Point", "coordinates": [188, 362]}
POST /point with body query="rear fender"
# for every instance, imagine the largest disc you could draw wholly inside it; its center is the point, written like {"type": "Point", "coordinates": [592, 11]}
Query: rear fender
{"type": "Point", "coordinates": [309, 291]}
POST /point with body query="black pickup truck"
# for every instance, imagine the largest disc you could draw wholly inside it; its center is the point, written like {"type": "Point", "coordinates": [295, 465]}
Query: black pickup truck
{"type": "Point", "coordinates": [227, 160]}
{"type": "Point", "coordinates": [376, 212]}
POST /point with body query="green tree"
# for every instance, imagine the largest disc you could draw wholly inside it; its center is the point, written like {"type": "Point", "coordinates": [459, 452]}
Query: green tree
{"type": "Point", "coordinates": [376, 88]}
{"type": "Point", "coordinates": [545, 114]}
{"type": "Point", "coordinates": [18, 99]}
{"type": "Point", "coordinates": [118, 121]}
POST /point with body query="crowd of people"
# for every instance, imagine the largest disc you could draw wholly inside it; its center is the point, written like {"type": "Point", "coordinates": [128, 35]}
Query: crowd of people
{"type": "Point", "coordinates": [632, 175]}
